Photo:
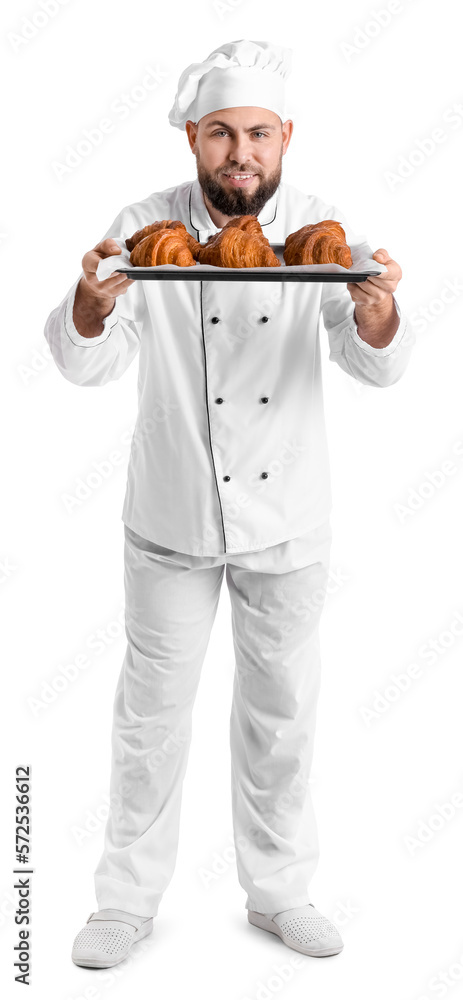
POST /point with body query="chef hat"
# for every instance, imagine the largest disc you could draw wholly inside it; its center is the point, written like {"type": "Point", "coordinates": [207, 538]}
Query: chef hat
{"type": "Point", "coordinates": [237, 74]}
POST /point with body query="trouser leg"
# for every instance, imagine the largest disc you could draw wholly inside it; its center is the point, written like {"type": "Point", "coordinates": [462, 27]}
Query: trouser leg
{"type": "Point", "coordinates": [275, 619]}
{"type": "Point", "coordinates": [170, 605]}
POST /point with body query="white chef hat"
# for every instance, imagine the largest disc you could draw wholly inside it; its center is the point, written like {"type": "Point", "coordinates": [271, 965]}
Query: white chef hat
{"type": "Point", "coordinates": [237, 74]}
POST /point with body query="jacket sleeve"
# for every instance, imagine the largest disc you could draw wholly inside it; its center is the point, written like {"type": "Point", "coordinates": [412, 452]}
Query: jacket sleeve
{"type": "Point", "coordinates": [379, 366]}
{"type": "Point", "coordinates": [97, 360]}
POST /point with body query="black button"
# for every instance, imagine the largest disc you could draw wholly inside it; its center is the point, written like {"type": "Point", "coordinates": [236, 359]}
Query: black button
{"type": "Point", "coordinates": [264, 475]}
{"type": "Point", "coordinates": [265, 319]}
{"type": "Point", "coordinates": [227, 479]}
{"type": "Point", "coordinates": [215, 319]}
{"type": "Point", "coordinates": [219, 399]}
{"type": "Point", "coordinates": [264, 399]}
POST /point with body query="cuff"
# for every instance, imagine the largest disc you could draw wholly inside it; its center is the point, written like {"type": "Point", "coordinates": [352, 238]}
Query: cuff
{"type": "Point", "coordinates": [108, 322]}
{"type": "Point", "coordinates": [380, 351]}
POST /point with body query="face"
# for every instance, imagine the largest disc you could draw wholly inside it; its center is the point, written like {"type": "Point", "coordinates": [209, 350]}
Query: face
{"type": "Point", "coordinates": [239, 141]}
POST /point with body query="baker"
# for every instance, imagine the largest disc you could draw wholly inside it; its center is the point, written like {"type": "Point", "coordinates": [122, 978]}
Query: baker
{"type": "Point", "coordinates": [228, 472]}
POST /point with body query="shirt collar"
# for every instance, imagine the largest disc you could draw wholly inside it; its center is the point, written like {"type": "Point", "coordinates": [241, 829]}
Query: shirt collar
{"type": "Point", "coordinates": [201, 220]}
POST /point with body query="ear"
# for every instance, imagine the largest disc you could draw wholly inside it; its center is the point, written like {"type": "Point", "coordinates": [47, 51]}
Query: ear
{"type": "Point", "coordinates": [191, 129]}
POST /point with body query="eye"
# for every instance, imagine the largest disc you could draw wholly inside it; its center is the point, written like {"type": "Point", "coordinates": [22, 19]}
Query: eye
{"type": "Point", "coordinates": [224, 132]}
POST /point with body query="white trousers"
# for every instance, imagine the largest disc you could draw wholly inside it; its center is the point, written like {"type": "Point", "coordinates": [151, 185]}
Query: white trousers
{"type": "Point", "coordinates": [171, 598]}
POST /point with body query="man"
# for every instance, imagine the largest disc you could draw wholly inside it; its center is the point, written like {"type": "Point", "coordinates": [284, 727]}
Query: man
{"type": "Point", "coordinates": [228, 467]}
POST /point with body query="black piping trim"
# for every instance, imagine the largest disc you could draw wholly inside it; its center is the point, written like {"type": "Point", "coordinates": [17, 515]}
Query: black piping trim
{"type": "Point", "coordinates": [262, 223]}
{"type": "Point", "coordinates": [189, 209]}
{"type": "Point", "coordinates": [208, 420]}
{"type": "Point", "coordinates": [205, 364]}
{"type": "Point", "coordinates": [66, 310]}
{"type": "Point", "coordinates": [205, 380]}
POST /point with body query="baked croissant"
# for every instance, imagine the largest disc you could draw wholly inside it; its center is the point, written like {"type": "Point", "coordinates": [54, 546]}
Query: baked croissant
{"type": "Point", "coordinates": [249, 223]}
{"type": "Point", "coordinates": [237, 248]}
{"type": "Point", "coordinates": [164, 246]}
{"type": "Point", "coordinates": [319, 243]}
{"type": "Point", "coordinates": [193, 244]}
{"type": "Point", "coordinates": [240, 243]}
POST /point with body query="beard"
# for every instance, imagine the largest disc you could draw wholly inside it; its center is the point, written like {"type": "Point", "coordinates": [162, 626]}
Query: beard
{"type": "Point", "coordinates": [238, 201]}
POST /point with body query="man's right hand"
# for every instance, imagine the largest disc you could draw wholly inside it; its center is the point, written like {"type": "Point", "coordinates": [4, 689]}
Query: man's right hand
{"type": "Point", "coordinates": [95, 299]}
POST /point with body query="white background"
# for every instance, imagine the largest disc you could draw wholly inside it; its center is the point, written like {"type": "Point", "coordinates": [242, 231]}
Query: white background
{"type": "Point", "coordinates": [358, 115]}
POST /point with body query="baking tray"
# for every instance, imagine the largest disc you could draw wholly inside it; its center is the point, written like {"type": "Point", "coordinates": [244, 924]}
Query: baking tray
{"type": "Point", "coordinates": [238, 274]}
{"type": "Point", "coordinates": [171, 272]}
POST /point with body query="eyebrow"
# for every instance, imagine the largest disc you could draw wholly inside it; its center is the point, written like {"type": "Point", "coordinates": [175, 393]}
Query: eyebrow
{"type": "Point", "coordinates": [254, 127]}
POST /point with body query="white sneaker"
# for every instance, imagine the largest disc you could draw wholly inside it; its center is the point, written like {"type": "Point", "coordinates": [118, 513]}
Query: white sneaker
{"type": "Point", "coordinates": [108, 937]}
{"type": "Point", "coordinates": [302, 928]}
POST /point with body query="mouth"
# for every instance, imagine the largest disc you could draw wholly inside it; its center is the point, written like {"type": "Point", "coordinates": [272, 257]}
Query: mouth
{"type": "Point", "coordinates": [240, 180]}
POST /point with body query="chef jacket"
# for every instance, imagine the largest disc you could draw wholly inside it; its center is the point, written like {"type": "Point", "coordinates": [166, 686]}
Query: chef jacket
{"type": "Point", "coordinates": [229, 450]}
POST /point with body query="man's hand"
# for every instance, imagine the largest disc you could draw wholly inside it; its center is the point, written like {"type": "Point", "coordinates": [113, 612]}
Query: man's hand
{"type": "Point", "coordinates": [116, 284]}
{"type": "Point", "coordinates": [95, 299]}
{"type": "Point", "coordinates": [375, 312]}
{"type": "Point", "coordinates": [376, 289]}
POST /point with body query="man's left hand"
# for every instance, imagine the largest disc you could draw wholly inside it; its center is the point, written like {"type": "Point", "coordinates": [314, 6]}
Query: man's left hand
{"type": "Point", "coordinates": [375, 290]}
{"type": "Point", "coordinates": [375, 313]}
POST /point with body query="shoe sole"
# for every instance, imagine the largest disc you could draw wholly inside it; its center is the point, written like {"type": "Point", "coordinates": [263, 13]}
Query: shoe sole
{"type": "Point", "coordinates": [260, 920]}
{"type": "Point", "coordinates": [107, 963]}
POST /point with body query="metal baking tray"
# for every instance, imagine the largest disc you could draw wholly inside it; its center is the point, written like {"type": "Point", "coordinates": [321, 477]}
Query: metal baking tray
{"type": "Point", "coordinates": [170, 272]}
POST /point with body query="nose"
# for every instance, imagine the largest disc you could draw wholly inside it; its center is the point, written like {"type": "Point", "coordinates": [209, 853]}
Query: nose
{"type": "Point", "coordinates": [241, 152]}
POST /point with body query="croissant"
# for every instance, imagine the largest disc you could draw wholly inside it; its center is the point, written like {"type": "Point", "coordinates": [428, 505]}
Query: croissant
{"type": "Point", "coordinates": [237, 248]}
{"type": "Point", "coordinates": [164, 246]}
{"type": "Point", "coordinates": [249, 223]}
{"type": "Point", "coordinates": [240, 243]}
{"type": "Point", "coordinates": [319, 243]}
{"type": "Point", "coordinates": [193, 244]}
